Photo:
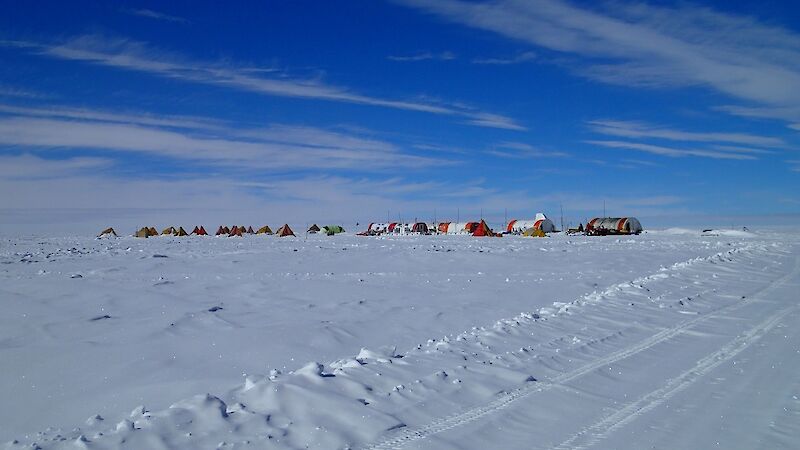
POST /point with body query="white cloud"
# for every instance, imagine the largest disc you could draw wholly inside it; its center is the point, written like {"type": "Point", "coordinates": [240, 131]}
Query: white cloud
{"type": "Point", "coordinates": [275, 148]}
{"type": "Point", "coordinates": [639, 44]}
{"type": "Point", "coordinates": [149, 13]}
{"type": "Point", "coordinates": [631, 129]}
{"type": "Point", "coordinates": [671, 152]}
{"type": "Point", "coordinates": [137, 56]}
{"type": "Point", "coordinates": [425, 56]}
{"type": "Point", "coordinates": [520, 58]}
{"type": "Point", "coordinates": [520, 150]}
{"type": "Point", "coordinates": [27, 166]}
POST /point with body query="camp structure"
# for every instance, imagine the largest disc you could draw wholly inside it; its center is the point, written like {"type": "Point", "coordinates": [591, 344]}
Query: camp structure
{"type": "Point", "coordinates": [482, 230]}
{"type": "Point", "coordinates": [601, 226]}
{"type": "Point", "coordinates": [235, 231]}
{"type": "Point", "coordinates": [108, 232]}
{"type": "Point", "coordinates": [250, 230]}
{"type": "Point", "coordinates": [330, 230]}
{"type": "Point", "coordinates": [540, 222]}
{"type": "Point", "coordinates": [457, 227]}
{"type": "Point", "coordinates": [313, 229]}
{"type": "Point", "coordinates": [152, 231]}
{"type": "Point", "coordinates": [420, 228]}
{"type": "Point", "coordinates": [144, 232]}
{"type": "Point", "coordinates": [578, 230]}
{"type": "Point", "coordinates": [264, 230]}
{"type": "Point", "coordinates": [169, 231]}
{"type": "Point", "coordinates": [221, 231]}
{"type": "Point", "coordinates": [181, 232]}
{"type": "Point", "coordinates": [284, 231]}
{"type": "Point", "coordinates": [199, 231]}
{"type": "Point", "coordinates": [534, 232]}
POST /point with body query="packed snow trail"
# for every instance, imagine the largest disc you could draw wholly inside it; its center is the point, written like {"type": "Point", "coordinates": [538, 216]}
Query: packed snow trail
{"type": "Point", "coordinates": [406, 436]}
{"type": "Point", "coordinates": [518, 373]}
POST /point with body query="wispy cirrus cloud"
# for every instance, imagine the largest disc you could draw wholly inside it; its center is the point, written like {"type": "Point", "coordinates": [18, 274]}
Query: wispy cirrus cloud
{"type": "Point", "coordinates": [521, 150]}
{"type": "Point", "coordinates": [635, 44]}
{"type": "Point", "coordinates": [424, 56]}
{"type": "Point", "coordinates": [633, 129]}
{"type": "Point", "coordinates": [150, 14]}
{"type": "Point", "coordinates": [520, 58]}
{"type": "Point", "coordinates": [131, 55]}
{"type": "Point", "coordinates": [275, 148]}
{"type": "Point", "coordinates": [671, 151]}
{"type": "Point", "coordinates": [28, 166]}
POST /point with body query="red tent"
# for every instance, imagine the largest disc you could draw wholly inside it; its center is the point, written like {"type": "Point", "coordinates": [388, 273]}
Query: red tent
{"type": "Point", "coordinates": [284, 231]}
{"type": "Point", "coordinates": [483, 230]}
{"type": "Point", "coordinates": [221, 231]}
{"type": "Point", "coordinates": [235, 231]}
{"type": "Point", "coordinates": [202, 231]}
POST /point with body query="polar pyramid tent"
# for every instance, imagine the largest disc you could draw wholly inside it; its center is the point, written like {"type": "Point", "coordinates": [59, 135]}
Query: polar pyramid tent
{"type": "Point", "coordinates": [199, 231]}
{"type": "Point", "coordinates": [169, 230]}
{"type": "Point", "coordinates": [195, 230]}
{"type": "Point", "coordinates": [226, 230]}
{"type": "Point", "coordinates": [108, 232]}
{"type": "Point", "coordinates": [152, 231]}
{"type": "Point", "coordinates": [284, 231]}
{"type": "Point", "coordinates": [250, 230]}
{"type": "Point", "coordinates": [483, 230]}
{"type": "Point", "coordinates": [143, 233]}
{"type": "Point", "coordinates": [220, 231]}
{"type": "Point", "coordinates": [181, 232]}
{"type": "Point", "coordinates": [235, 231]}
{"type": "Point", "coordinates": [314, 229]}
{"type": "Point", "coordinates": [264, 230]}
{"type": "Point", "coordinates": [534, 232]}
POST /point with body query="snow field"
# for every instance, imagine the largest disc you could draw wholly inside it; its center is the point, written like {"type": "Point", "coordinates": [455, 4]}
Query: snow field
{"type": "Point", "coordinates": [398, 396]}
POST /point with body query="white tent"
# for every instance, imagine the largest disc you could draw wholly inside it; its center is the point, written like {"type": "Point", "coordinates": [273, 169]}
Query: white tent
{"type": "Point", "coordinates": [540, 222]}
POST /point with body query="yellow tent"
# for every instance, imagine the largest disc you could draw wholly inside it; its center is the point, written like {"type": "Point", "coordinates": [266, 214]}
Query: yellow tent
{"type": "Point", "coordinates": [534, 232]}
{"type": "Point", "coordinates": [264, 230]}
{"type": "Point", "coordinates": [152, 231]}
{"type": "Point", "coordinates": [181, 232]}
{"type": "Point", "coordinates": [143, 233]}
{"type": "Point", "coordinates": [169, 230]}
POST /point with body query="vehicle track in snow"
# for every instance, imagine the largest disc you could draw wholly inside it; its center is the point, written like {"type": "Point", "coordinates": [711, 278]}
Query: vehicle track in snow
{"type": "Point", "coordinates": [399, 439]}
{"type": "Point", "coordinates": [600, 430]}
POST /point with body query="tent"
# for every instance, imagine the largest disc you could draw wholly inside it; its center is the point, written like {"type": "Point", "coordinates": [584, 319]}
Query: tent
{"type": "Point", "coordinates": [250, 230]}
{"type": "Point", "coordinates": [235, 231]}
{"type": "Point", "coordinates": [169, 230]}
{"type": "Point", "coordinates": [221, 231]}
{"type": "Point", "coordinates": [152, 231]}
{"type": "Point", "coordinates": [540, 222]}
{"type": "Point", "coordinates": [313, 229]}
{"type": "Point", "coordinates": [199, 231]}
{"type": "Point", "coordinates": [613, 225]}
{"type": "Point", "coordinates": [181, 232]}
{"type": "Point", "coordinates": [420, 227]}
{"type": "Point", "coordinates": [482, 229]}
{"type": "Point", "coordinates": [108, 232]}
{"type": "Point", "coordinates": [284, 231]}
{"type": "Point", "coordinates": [264, 230]}
{"type": "Point", "coordinates": [443, 227]}
{"type": "Point", "coordinates": [143, 233]}
{"type": "Point", "coordinates": [330, 230]}
{"type": "Point", "coordinates": [534, 232]}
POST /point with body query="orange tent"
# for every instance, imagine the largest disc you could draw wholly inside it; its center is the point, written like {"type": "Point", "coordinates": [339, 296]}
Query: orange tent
{"type": "Point", "coordinates": [483, 230]}
{"type": "Point", "coordinates": [202, 231]}
{"type": "Point", "coordinates": [284, 231]}
{"type": "Point", "coordinates": [235, 231]}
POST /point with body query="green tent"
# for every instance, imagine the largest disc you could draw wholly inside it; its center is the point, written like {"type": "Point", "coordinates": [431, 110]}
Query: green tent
{"type": "Point", "coordinates": [330, 230]}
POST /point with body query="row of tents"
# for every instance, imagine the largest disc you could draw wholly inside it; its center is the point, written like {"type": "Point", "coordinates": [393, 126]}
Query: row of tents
{"type": "Point", "coordinates": [540, 226]}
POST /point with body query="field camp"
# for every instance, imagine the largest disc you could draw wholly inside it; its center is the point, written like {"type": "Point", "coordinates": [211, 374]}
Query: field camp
{"type": "Point", "coordinates": [539, 226]}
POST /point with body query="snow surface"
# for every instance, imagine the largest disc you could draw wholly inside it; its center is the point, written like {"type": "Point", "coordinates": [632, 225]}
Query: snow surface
{"type": "Point", "coordinates": [667, 340]}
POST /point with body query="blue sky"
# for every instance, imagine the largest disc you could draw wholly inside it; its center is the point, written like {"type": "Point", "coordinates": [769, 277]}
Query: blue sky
{"type": "Point", "coordinates": [349, 111]}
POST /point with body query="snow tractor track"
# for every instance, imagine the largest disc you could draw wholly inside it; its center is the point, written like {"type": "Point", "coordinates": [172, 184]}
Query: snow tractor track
{"type": "Point", "coordinates": [404, 436]}
{"type": "Point", "coordinates": [605, 427]}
